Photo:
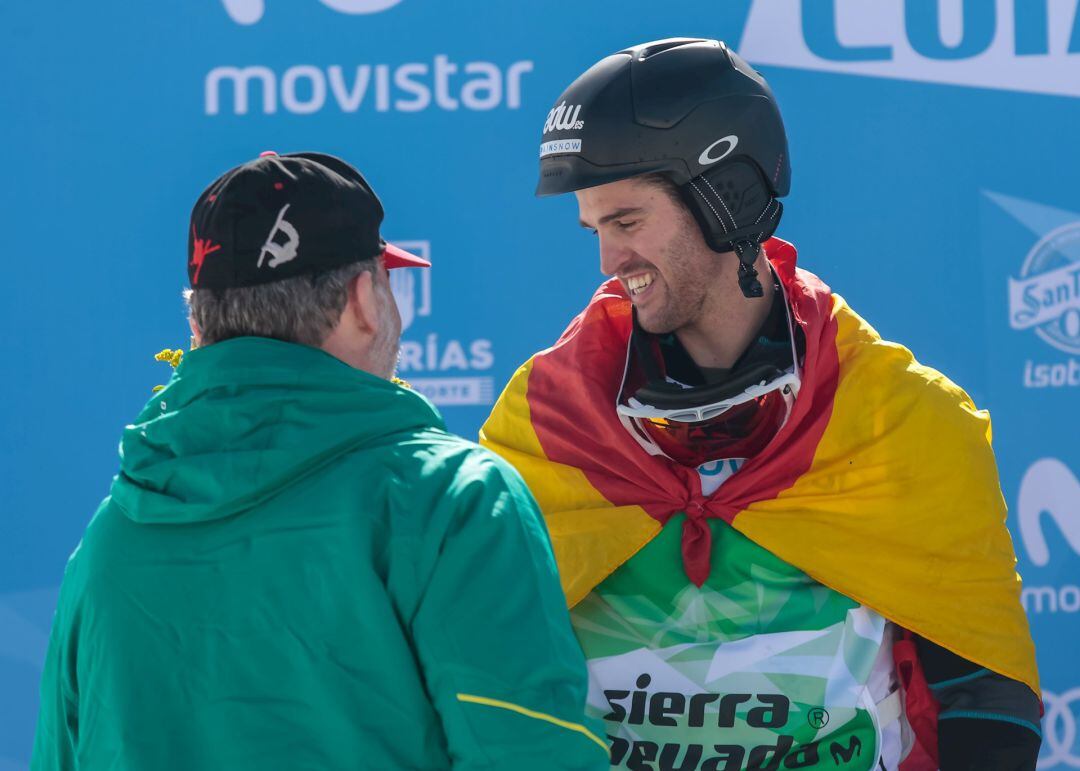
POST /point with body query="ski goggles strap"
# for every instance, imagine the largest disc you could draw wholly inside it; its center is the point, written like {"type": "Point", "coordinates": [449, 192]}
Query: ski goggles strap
{"type": "Point", "coordinates": [786, 382]}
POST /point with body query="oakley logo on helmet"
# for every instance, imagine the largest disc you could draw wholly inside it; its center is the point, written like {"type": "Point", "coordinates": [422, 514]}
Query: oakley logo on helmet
{"type": "Point", "coordinates": [707, 156]}
{"type": "Point", "coordinates": [564, 118]}
{"type": "Point", "coordinates": [280, 252]}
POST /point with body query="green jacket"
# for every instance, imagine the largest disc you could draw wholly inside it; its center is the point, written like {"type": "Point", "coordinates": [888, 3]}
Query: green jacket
{"type": "Point", "coordinates": [299, 568]}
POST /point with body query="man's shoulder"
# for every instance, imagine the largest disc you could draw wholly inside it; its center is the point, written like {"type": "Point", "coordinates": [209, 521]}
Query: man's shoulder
{"type": "Point", "coordinates": [886, 378]}
{"type": "Point", "coordinates": [435, 458]}
{"type": "Point", "coordinates": [863, 351]}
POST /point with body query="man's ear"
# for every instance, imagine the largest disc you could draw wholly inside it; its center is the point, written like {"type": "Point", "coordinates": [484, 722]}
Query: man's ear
{"type": "Point", "coordinates": [363, 305]}
{"type": "Point", "coordinates": [196, 335]}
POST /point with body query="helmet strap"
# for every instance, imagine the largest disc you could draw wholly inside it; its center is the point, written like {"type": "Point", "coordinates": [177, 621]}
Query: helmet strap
{"type": "Point", "coordinates": [748, 275]}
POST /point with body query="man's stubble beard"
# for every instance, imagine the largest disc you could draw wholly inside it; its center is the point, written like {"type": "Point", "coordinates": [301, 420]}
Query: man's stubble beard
{"type": "Point", "coordinates": [686, 287]}
{"type": "Point", "coordinates": [386, 350]}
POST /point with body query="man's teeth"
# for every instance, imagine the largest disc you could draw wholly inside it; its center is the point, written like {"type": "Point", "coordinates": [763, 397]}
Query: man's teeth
{"type": "Point", "coordinates": [638, 284]}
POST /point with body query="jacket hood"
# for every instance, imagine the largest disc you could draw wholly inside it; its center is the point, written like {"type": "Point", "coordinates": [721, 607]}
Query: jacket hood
{"type": "Point", "coordinates": [243, 419]}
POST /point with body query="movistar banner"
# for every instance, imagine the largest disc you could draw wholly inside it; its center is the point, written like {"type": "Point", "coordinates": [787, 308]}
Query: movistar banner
{"type": "Point", "coordinates": [932, 143]}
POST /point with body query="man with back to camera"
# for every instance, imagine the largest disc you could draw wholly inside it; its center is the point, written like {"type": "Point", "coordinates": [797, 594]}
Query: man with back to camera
{"type": "Point", "coordinates": [767, 520]}
{"type": "Point", "coordinates": [297, 566]}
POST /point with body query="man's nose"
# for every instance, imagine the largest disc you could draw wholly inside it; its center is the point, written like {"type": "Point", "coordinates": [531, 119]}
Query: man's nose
{"type": "Point", "coordinates": [613, 255]}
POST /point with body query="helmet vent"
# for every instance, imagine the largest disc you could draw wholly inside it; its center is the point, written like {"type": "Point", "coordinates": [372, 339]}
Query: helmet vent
{"type": "Point", "coordinates": [666, 45]}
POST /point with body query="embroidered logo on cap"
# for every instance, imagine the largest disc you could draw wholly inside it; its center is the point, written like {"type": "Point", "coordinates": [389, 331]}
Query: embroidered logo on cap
{"type": "Point", "coordinates": [201, 248]}
{"type": "Point", "coordinates": [280, 252]}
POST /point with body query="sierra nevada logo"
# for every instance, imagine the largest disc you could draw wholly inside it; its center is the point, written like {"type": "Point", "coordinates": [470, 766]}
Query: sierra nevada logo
{"type": "Point", "coordinates": [443, 369]}
{"type": "Point", "coordinates": [251, 11]}
{"type": "Point", "coordinates": [779, 747]}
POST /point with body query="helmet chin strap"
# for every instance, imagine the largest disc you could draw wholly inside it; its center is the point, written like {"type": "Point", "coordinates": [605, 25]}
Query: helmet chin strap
{"type": "Point", "coordinates": [748, 275]}
{"type": "Point", "coordinates": [735, 211]}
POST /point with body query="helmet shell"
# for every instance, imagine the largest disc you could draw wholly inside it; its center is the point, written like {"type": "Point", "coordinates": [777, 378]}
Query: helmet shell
{"type": "Point", "coordinates": [678, 106]}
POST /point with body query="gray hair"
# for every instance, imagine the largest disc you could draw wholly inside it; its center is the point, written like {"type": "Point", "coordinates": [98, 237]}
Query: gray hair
{"type": "Point", "coordinates": [302, 310]}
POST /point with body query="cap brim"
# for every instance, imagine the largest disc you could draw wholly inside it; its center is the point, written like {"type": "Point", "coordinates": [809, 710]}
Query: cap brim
{"type": "Point", "coordinates": [396, 257]}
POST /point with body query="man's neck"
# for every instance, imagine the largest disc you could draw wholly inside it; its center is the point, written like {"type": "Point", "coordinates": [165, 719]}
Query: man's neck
{"type": "Point", "coordinates": [728, 323]}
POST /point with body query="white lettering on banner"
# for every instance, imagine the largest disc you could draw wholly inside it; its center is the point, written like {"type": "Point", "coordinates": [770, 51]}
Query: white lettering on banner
{"type": "Point", "coordinates": [241, 79]}
{"type": "Point", "coordinates": [1059, 748]}
{"type": "Point", "coordinates": [560, 146]}
{"type": "Point", "coordinates": [250, 11]}
{"type": "Point", "coordinates": [1045, 297]}
{"type": "Point", "coordinates": [1051, 599]}
{"type": "Point", "coordinates": [316, 86]}
{"type": "Point", "coordinates": [1020, 45]}
{"type": "Point", "coordinates": [437, 359]}
{"type": "Point", "coordinates": [456, 391]}
{"type": "Point", "coordinates": [1057, 375]}
{"type": "Point", "coordinates": [435, 355]}
{"type": "Point", "coordinates": [411, 87]}
{"type": "Point", "coordinates": [1048, 487]}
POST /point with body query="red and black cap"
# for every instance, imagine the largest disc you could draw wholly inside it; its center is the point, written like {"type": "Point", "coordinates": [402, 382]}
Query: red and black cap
{"type": "Point", "coordinates": [282, 216]}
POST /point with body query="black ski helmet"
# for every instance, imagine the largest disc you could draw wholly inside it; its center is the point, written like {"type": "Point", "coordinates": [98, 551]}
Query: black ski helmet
{"type": "Point", "coordinates": [692, 110]}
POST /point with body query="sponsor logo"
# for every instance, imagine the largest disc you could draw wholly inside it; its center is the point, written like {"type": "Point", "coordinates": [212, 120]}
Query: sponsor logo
{"type": "Point", "coordinates": [1049, 488]}
{"type": "Point", "coordinates": [1046, 297]}
{"type": "Point", "coordinates": [768, 711]}
{"type": "Point", "coordinates": [1059, 745]}
{"type": "Point", "coordinates": [449, 372]}
{"type": "Point", "coordinates": [844, 754]}
{"type": "Point", "coordinates": [560, 146]}
{"type": "Point", "coordinates": [707, 157]}
{"type": "Point", "coordinates": [1021, 45]}
{"type": "Point", "coordinates": [716, 473]}
{"type": "Point", "coordinates": [305, 89]}
{"type": "Point", "coordinates": [280, 252]}
{"type": "Point", "coordinates": [251, 11]}
{"type": "Point", "coordinates": [564, 118]}
{"type": "Point", "coordinates": [1055, 375]}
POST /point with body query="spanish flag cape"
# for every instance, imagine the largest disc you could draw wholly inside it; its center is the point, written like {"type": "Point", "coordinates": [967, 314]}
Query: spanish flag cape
{"type": "Point", "coordinates": [881, 485]}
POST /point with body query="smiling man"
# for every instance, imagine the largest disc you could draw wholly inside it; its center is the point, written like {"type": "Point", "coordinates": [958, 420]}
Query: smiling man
{"type": "Point", "coordinates": [782, 539]}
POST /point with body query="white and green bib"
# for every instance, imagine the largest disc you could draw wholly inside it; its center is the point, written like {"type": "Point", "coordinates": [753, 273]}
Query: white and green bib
{"type": "Point", "coordinates": [760, 668]}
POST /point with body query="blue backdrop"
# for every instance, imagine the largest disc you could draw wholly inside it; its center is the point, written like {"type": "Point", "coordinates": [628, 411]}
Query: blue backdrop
{"type": "Point", "coordinates": [934, 150]}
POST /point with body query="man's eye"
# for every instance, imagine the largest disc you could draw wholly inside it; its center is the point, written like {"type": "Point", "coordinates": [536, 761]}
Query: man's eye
{"type": "Point", "coordinates": [625, 225]}
{"type": "Point", "coordinates": [594, 231]}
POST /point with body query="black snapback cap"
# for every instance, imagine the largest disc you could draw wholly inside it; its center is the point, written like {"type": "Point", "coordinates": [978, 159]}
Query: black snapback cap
{"type": "Point", "coordinates": [282, 216]}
